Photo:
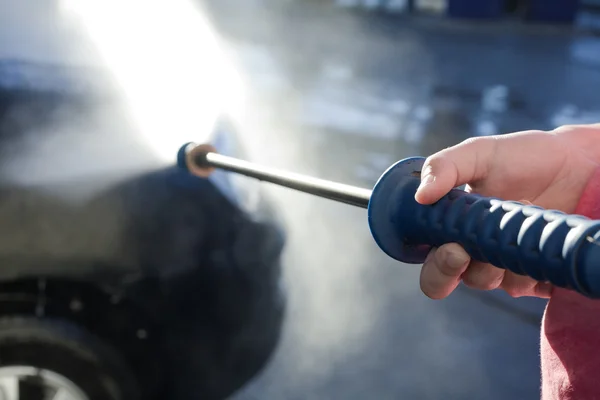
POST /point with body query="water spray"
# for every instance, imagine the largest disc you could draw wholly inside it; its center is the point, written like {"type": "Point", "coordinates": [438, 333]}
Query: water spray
{"type": "Point", "coordinates": [546, 245]}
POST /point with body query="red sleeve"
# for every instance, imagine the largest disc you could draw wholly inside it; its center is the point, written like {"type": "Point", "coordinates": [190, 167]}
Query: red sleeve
{"type": "Point", "coordinates": [570, 341]}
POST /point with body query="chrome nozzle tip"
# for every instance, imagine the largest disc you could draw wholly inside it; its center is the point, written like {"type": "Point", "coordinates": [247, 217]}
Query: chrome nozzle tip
{"type": "Point", "coordinates": [192, 158]}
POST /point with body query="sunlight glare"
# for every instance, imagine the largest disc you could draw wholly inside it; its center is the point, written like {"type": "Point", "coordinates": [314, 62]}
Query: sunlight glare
{"type": "Point", "coordinates": [167, 60]}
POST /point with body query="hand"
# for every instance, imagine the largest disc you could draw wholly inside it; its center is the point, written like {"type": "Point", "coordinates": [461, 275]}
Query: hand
{"type": "Point", "coordinates": [548, 169]}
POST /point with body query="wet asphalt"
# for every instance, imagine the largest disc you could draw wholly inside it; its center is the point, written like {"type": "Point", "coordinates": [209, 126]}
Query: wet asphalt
{"type": "Point", "coordinates": [343, 94]}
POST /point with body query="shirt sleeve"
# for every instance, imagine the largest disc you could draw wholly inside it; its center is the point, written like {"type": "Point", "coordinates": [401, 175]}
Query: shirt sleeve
{"type": "Point", "coordinates": [570, 336]}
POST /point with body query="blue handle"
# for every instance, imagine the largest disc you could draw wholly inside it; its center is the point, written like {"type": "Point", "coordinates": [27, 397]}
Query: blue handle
{"type": "Point", "coordinates": [546, 245]}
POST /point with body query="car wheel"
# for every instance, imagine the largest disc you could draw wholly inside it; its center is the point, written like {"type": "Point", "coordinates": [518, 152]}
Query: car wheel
{"type": "Point", "coordinates": [43, 359]}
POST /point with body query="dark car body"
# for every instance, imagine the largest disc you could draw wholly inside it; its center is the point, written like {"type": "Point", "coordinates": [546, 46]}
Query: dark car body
{"type": "Point", "coordinates": [176, 278]}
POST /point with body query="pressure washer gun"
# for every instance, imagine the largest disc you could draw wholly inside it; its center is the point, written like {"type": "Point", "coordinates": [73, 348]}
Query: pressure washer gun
{"type": "Point", "coordinates": [546, 245]}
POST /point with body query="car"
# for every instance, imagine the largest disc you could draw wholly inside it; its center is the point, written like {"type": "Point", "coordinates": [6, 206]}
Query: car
{"type": "Point", "coordinates": [121, 278]}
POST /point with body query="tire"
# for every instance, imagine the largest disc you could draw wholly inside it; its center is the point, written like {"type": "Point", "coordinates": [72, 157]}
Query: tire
{"type": "Point", "coordinates": [61, 348]}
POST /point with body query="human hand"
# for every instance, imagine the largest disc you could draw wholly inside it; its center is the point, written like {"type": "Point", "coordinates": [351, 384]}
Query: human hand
{"type": "Point", "coordinates": [548, 169]}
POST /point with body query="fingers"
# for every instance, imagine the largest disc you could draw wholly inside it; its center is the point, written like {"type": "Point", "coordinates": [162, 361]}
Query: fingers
{"type": "Point", "coordinates": [442, 270]}
{"type": "Point", "coordinates": [519, 286]}
{"type": "Point", "coordinates": [466, 162]}
{"type": "Point", "coordinates": [542, 290]}
{"type": "Point", "coordinates": [483, 276]}
{"type": "Point", "coordinates": [447, 265]}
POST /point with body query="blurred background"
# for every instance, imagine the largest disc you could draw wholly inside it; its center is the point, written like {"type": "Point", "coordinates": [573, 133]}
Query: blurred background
{"type": "Point", "coordinates": [341, 89]}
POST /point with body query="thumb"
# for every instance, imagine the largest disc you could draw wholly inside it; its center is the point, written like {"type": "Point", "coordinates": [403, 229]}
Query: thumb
{"type": "Point", "coordinates": [455, 166]}
{"type": "Point", "coordinates": [438, 176]}
{"type": "Point", "coordinates": [430, 188]}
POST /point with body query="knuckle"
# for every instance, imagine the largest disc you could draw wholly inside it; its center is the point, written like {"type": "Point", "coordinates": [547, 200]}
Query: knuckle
{"type": "Point", "coordinates": [514, 291]}
{"type": "Point", "coordinates": [477, 142]}
{"type": "Point", "coordinates": [474, 140]}
{"type": "Point", "coordinates": [433, 163]}
{"type": "Point", "coordinates": [472, 281]}
{"type": "Point", "coordinates": [447, 270]}
{"type": "Point", "coordinates": [517, 285]}
{"type": "Point", "coordinates": [489, 284]}
{"type": "Point", "coordinates": [481, 280]}
{"type": "Point", "coordinates": [563, 128]}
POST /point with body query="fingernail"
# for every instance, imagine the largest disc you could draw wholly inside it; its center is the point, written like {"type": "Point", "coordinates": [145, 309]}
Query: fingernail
{"type": "Point", "coordinates": [457, 260]}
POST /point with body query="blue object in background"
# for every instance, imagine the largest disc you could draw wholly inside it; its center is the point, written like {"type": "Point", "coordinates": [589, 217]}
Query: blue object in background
{"type": "Point", "coordinates": [558, 11]}
{"type": "Point", "coordinates": [475, 8]}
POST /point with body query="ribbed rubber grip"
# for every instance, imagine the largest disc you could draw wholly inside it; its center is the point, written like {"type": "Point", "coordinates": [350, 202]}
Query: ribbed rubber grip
{"type": "Point", "coordinates": [546, 245]}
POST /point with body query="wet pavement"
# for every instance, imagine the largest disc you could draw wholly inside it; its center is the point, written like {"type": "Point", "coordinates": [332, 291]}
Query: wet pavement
{"type": "Point", "coordinates": [342, 95]}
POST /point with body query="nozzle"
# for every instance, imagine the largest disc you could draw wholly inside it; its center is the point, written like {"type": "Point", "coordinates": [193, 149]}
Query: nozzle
{"type": "Point", "coordinates": [192, 158]}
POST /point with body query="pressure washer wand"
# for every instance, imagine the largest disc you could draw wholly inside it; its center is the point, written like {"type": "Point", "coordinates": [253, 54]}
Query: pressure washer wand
{"type": "Point", "coordinates": [204, 159]}
{"type": "Point", "coordinates": [546, 245]}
